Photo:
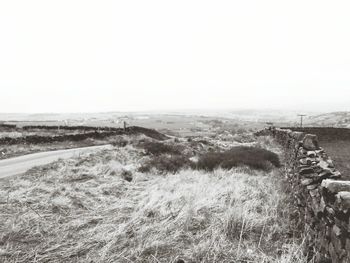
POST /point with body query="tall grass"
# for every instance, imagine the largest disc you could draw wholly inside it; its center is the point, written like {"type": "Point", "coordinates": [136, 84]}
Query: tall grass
{"type": "Point", "coordinates": [84, 210]}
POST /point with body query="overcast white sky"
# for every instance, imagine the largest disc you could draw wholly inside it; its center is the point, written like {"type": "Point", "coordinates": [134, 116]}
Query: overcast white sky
{"type": "Point", "coordinates": [76, 56]}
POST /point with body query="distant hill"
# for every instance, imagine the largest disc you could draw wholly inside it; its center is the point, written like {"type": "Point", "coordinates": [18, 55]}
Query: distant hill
{"type": "Point", "coordinates": [340, 119]}
{"type": "Point", "coordinates": [150, 119]}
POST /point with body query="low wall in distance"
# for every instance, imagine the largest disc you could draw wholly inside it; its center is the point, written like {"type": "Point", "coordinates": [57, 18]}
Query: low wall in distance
{"type": "Point", "coordinates": [101, 134]}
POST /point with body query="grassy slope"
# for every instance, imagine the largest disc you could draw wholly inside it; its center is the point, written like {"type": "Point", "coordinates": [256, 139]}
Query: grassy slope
{"type": "Point", "coordinates": [83, 210]}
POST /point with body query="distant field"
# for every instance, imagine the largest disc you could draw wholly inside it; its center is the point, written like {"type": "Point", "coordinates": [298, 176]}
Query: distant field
{"type": "Point", "coordinates": [182, 125]}
{"type": "Point", "coordinates": [173, 125]}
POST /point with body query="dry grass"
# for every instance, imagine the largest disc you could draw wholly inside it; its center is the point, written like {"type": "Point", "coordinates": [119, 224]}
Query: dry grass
{"type": "Point", "coordinates": [84, 210]}
{"type": "Point", "coordinates": [268, 143]}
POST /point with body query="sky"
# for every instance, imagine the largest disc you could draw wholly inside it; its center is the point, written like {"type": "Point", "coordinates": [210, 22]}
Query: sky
{"type": "Point", "coordinates": [95, 56]}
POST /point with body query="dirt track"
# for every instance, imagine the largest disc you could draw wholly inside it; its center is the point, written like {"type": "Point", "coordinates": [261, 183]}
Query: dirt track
{"type": "Point", "coordinates": [21, 164]}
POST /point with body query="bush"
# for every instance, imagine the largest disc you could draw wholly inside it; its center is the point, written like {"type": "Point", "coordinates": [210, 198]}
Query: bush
{"type": "Point", "coordinates": [252, 157]}
{"type": "Point", "coordinates": [120, 142]}
{"type": "Point", "coordinates": [127, 175]}
{"type": "Point", "coordinates": [158, 148]}
{"type": "Point", "coordinates": [165, 163]}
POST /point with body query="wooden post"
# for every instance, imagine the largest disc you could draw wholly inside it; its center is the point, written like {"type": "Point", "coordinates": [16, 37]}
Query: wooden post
{"type": "Point", "coordinates": [301, 119]}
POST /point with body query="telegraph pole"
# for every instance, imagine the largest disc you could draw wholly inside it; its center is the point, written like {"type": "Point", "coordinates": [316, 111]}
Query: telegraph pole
{"type": "Point", "coordinates": [301, 119]}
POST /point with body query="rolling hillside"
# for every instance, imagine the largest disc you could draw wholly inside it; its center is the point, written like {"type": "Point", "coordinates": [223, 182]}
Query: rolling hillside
{"type": "Point", "coordinates": [339, 119]}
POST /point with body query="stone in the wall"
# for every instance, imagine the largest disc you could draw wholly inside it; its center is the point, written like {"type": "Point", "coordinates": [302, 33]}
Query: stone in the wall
{"type": "Point", "coordinates": [336, 174]}
{"type": "Point", "coordinates": [310, 142]}
{"type": "Point", "coordinates": [330, 163]}
{"type": "Point", "coordinates": [335, 186]}
{"type": "Point", "coordinates": [297, 135]}
{"type": "Point", "coordinates": [323, 164]}
{"type": "Point", "coordinates": [307, 181]}
{"type": "Point", "coordinates": [326, 173]}
{"type": "Point", "coordinates": [311, 154]}
{"type": "Point", "coordinates": [306, 170]}
{"type": "Point", "coordinates": [343, 201]}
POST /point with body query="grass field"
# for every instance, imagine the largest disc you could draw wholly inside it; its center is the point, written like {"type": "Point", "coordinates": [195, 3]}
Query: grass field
{"type": "Point", "coordinates": [100, 208]}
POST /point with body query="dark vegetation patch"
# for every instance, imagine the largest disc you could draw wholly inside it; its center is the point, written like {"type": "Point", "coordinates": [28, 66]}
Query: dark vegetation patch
{"type": "Point", "coordinates": [7, 127]}
{"type": "Point", "coordinates": [148, 132]}
{"type": "Point", "coordinates": [166, 163]}
{"type": "Point", "coordinates": [68, 128]}
{"type": "Point", "coordinates": [255, 158]}
{"type": "Point", "coordinates": [169, 158]}
{"type": "Point", "coordinates": [84, 133]}
{"type": "Point", "coordinates": [127, 175]}
{"type": "Point", "coordinates": [196, 143]}
{"type": "Point", "coordinates": [158, 148]}
{"type": "Point", "coordinates": [119, 142]}
{"type": "Point", "coordinates": [129, 130]}
{"type": "Point", "coordinates": [36, 139]}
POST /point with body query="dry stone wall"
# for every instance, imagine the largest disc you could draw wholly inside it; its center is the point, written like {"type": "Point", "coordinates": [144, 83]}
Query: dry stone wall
{"type": "Point", "coordinates": [321, 195]}
{"type": "Point", "coordinates": [101, 134]}
{"type": "Point", "coordinates": [36, 139]}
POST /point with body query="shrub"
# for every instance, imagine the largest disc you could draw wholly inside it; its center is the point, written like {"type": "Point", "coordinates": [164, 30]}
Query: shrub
{"type": "Point", "coordinates": [127, 175]}
{"type": "Point", "coordinates": [120, 142]}
{"type": "Point", "coordinates": [165, 163]}
{"type": "Point", "coordinates": [252, 157]}
{"type": "Point", "coordinates": [158, 148]}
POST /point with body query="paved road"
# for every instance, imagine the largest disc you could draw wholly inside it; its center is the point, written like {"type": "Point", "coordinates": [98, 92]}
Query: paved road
{"type": "Point", "coordinates": [21, 164]}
